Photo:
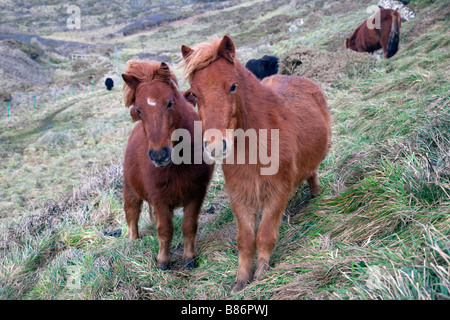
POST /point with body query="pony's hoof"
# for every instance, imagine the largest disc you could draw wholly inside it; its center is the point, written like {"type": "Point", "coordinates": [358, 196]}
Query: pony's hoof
{"type": "Point", "coordinates": [163, 267]}
{"type": "Point", "coordinates": [132, 236]}
{"type": "Point", "coordinates": [316, 192]}
{"type": "Point", "coordinates": [190, 265]}
{"type": "Point", "coordinates": [261, 270]}
{"type": "Point", "coordinates": [238, 287]}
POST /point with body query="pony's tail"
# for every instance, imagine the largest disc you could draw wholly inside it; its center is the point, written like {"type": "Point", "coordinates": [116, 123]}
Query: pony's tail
{"type": "Point", "coordinates": [394, 35]}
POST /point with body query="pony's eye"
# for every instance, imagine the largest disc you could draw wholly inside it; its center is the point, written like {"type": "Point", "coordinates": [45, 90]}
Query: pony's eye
{"type": "Point", "coordinates": [169, 105]}
{"type": "Point", "coordinates": [138, 111]}
{"type": "Point", "coordinates": [233, 88]}
{"type": "Point", "coordinates": [195, 96]}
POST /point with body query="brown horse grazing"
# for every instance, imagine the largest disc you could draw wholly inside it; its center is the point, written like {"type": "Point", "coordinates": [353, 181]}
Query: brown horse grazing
{"type": "Point", "coordinates": [230, 97]}
{"type": "Point", "coordinates": [149, 173]}
{"type": "Point", "coordinates": [380, 31]}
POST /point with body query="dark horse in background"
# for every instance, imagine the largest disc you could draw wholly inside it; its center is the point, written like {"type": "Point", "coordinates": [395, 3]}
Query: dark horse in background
{"type": "Point", "coordinates": [264, 67]}
{"type": "Point", "coordinates": [380, 31]}
{"type": "Point", "coordinates": [149, 172]}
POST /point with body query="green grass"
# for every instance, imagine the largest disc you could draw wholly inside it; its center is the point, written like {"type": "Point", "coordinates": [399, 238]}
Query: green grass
{"type": "Point", "coordinates": [380, 229]}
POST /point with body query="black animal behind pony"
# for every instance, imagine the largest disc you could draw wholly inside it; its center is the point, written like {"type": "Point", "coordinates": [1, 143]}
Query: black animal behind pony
{"type": "Point", "coordinates": [264, 67]}
{"type": "Point", "coordinates": [109, 83]}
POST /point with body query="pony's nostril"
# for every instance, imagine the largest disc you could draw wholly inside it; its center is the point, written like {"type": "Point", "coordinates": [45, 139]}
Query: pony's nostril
{"type": "Point", "coordinates": [214, 150]}
{"type": "Point", "coordinates": [164, 153]}
{"type": "Point", "coordinates": [150, 155]}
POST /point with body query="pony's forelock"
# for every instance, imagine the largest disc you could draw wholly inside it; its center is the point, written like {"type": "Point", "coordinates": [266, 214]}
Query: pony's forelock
{"type": "Point", "coordinates": [200, 57]}
{"type": "Point", "coordinates": [144, 71]}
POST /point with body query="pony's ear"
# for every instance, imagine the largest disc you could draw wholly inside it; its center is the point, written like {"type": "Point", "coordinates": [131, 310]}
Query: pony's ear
{"type": "Point", "coordinates": [227, 49]}
{"type": "Point", "coordinates": [162, 73]}
{"type": "Point", "coordinates": [134, 114]}
{"type": "Point", "coordinates": [130, 85]}
{"type": "Point", "coordinates": [131, 81]}
{"type": "Point", "coordinates": [190, 97]}
{"type": "Point", "coordinates": [185, 51]}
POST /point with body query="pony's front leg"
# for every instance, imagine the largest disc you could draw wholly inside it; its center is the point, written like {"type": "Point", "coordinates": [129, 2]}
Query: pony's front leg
{"type": "Point", "coordinates": [164, 225]}
{"type": "Point", "coordinates": [268, 232]}
{"type": "Point", "coordinates": [246, 240]}
{"type": "Point", "coordinates": [132, 207]}
{"type": "Point", "coordinates": [190, 221]}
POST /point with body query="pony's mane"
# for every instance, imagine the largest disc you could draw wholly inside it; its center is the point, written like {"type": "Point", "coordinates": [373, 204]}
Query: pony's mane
{"type": "Point", "coordinates": [200, 57]}
{"type": "Point", "coordinates": [144, 71]}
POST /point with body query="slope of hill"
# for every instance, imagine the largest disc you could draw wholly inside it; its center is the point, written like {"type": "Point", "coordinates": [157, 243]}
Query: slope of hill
{"type": "Point", "coordinates": [380, 230]}
{"type": "Point", "coordinates": [48, 17]}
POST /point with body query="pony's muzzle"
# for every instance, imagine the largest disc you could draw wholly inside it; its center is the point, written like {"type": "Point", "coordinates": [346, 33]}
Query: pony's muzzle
{"type": "Point", "coordinates": [217, 150]}
{"type": "Point", "coordinates": [161, 157]}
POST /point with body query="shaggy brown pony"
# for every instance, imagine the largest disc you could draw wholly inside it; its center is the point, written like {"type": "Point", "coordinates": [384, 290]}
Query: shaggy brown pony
{"type": "Point", "coordinates": [230, 97]}
{"type": "Point", "coordinates": [149, 174]}
{"type": "Point", "coordinates": [380, 31]}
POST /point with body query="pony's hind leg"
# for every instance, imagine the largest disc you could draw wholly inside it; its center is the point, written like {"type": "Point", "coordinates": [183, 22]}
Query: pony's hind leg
{"type": "Point", "coordinates": [313, 183]}
{"type": "Point", "coordinates": [190, 222]}
{"type": "Point", "coordinates": [132, 207]}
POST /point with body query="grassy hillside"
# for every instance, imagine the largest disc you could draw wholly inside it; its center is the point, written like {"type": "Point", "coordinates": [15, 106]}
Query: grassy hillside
{"type": "Point", "coordinates": [380, 230]}
{"type": "Point", "coordinates": [50, 17]}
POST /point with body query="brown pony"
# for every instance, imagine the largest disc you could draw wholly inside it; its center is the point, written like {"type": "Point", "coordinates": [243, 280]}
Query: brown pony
{"type": "Point", "coordinates": [380, 31]}
{"type": "Point", "coordinates": [149, 174]}
{"type": "Point", "coordinates": [230, 97]}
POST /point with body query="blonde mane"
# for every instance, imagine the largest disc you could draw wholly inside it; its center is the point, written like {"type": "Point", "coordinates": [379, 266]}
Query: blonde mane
{"type": "Point", "coordinates": [144, 71]}
{"type": "Point", "coordinates": [200, 57]}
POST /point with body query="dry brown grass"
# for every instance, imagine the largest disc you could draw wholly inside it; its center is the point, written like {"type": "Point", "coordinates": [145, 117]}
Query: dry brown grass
{"type": "Point", "coordinates": [323, 66]}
